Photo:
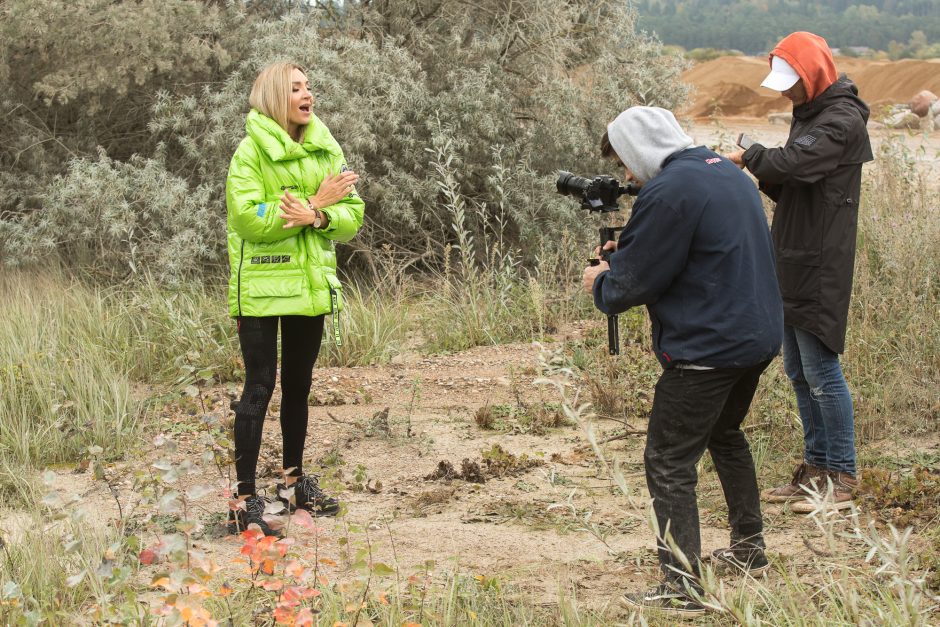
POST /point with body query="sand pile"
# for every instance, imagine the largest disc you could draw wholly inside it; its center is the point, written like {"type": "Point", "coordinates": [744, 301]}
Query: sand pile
{"type": "Point", "coordinates": [730, 86]}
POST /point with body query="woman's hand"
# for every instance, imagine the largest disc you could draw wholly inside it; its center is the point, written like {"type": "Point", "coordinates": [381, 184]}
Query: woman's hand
{"type": "Point", "coordinates": [296, 212]}
{"type": "Point", "coordinates": [333, 189]}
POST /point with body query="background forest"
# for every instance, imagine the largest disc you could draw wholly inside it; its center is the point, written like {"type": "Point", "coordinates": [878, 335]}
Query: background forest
{"type": "Point", "coordinates": [900, 28]}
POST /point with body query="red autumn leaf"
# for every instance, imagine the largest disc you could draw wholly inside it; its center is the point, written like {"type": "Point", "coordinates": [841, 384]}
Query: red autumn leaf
{"type": "Point", "coordinates": [292, 594]}
{"type": "Point", "coordinates": [304, 618]}
{"type": "Point", "coordinates": [295, 569]}
{"type": "Point", "coordinates": [284, 615]}
{"type": "Point", "coordinates": [303, 519]}
{"type": "Point", "coordinates": [249, 535]}
{"type": "Point", "coordinates": [147, 557]}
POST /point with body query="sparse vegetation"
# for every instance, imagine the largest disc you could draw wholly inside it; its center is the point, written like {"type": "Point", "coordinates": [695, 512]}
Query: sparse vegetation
{"type": "Point", "coordinates": [117, 339]}
{"type": "Point", "coordinates": [118, 360]}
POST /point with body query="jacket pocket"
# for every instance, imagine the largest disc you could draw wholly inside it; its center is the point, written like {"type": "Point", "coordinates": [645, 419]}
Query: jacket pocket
{"type": "Point", "coordinates": [798, 274]}
{"type": "Point", "coordinates": [275, 287]}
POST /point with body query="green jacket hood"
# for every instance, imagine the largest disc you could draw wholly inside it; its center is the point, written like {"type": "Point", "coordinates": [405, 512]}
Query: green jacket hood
{"type": "Point", "coordinates": [279, 146]}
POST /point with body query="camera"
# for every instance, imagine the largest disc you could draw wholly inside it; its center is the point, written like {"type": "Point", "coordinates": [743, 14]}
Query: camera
{"type": "Point", "coordinates": [597, 194]}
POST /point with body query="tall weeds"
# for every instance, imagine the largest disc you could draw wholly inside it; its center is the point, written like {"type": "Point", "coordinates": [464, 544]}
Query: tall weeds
{"type": "Point", "coordinates": [62, 390]}
{"type": "Point", "coordinates": [893, 353]}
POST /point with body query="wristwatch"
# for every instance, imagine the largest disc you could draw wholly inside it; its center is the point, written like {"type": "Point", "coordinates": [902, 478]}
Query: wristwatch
{"type": "Point", "coordinates": [318, 221]}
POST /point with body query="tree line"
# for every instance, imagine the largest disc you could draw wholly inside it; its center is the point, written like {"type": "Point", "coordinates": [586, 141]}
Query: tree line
{"type": "Point", "coordinates": [753, 26]}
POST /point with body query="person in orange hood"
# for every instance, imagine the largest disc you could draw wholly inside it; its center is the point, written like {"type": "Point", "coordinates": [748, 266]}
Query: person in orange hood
{"type": "Point", "coordinates": [815, 180]}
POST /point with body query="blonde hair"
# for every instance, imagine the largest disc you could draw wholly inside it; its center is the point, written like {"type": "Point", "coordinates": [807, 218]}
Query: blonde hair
{"type": "Point", "coordinates": [270, 94]}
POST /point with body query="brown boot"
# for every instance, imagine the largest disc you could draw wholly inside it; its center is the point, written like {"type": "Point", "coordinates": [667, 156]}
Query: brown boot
{"type": "Point", "coordinates": [805, 475]}
{"type": "Point", "coordinates": [844, 487]}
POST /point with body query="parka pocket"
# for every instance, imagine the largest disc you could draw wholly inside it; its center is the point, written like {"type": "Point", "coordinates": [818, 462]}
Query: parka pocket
{"type": "Point", "coordinates": [275, 287]}
{"type": "Point", "coordinates": [798, 274]}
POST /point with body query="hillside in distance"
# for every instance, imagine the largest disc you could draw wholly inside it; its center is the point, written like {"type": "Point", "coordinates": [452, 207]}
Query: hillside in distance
{"type": "Point", "coordinates": [730, 86]}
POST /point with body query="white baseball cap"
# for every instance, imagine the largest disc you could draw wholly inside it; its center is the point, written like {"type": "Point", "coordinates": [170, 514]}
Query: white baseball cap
{"type": "Point", "coordinates": [782, 75]}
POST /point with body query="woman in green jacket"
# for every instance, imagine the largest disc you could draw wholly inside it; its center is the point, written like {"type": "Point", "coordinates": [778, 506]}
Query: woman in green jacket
{"type": "Point", "coordinates": [290, 196]}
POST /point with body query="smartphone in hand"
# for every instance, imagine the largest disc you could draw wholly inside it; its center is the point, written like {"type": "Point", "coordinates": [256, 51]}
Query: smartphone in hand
{"type": "Point", "coordinates": [745, 142]}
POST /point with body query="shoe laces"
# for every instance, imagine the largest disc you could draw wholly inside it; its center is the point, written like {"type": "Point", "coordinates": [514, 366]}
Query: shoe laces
{"type": "Point", "coordinates": [798, 474]}
{"type": "Point", "coordinates": [254, 507]}
{"type": "Point", "coordinates": [309, 488]}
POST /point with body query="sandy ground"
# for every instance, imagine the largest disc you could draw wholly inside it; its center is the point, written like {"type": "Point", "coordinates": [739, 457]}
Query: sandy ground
{"type": "Point", "coordinates": [558, 526]}
{"type": "Point", "coordinates": [730, 86]}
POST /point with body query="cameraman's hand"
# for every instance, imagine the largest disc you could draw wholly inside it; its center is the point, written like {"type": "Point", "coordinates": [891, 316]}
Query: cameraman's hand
{"type": "Point", "coordinates": [611, 245]}
{"type": "Point", "coordinates": [590, 273]}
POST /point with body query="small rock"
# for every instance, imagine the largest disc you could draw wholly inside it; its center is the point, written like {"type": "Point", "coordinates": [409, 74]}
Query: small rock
{"type": "Point", "coordinates": [903, 119]}
{"type": "Point", "coordinates": [922, 103]}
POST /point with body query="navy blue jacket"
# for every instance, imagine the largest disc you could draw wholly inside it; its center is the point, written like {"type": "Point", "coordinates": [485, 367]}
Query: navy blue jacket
{"type": "Point", "coordinates": [697, 252]}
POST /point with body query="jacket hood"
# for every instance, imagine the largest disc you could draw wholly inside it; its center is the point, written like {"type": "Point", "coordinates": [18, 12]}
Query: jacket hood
{"type": "Point", "coordinates": [810, 56]}
{"type": "Point", "coordinates": [843, 90]}
{"type": "Point", "coordinates": [643, 137]}
{"type": "Point", "coordinates": [279, 146]}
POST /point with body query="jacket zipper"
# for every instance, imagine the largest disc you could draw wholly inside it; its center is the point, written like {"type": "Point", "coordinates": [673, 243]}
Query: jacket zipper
{"type": "Point", "coordinates": [241, 260]}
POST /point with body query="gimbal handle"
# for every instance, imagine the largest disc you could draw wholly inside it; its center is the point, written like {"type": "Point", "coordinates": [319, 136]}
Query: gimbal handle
{"type": "Point", "coordinates": [609, 233]}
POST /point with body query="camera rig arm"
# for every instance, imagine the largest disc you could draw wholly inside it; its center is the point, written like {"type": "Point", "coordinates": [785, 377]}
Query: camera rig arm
{"type": "Point", "coordinates": [599, 194]}
{"type": "Point", "coordinates": [609, 233]}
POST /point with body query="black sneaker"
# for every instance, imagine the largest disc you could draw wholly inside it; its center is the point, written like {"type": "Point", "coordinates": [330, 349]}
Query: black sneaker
{"type": "Point", "coordinates": [750, 560]}
{"type": "Point", "coordinates": [239, 519]}
{"type": "Point", "coordinates": [308, 495]}
{"type": "Point", "coordinates": [665, 598]}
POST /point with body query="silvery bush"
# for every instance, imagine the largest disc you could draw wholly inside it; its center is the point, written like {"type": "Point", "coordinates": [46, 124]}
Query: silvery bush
{"type": "Point", "coordinates": [504, 95]}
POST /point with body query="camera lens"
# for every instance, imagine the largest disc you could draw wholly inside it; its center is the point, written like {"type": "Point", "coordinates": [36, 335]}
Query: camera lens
{"type": "Point", "coordinates": [570, 185]}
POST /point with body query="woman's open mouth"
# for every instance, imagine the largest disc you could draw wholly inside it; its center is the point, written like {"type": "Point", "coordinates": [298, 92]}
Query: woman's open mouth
{"type": "Point", "coordinates": [305, 108]}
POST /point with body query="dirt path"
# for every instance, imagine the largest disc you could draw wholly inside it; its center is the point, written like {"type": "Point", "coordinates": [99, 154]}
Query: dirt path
{"type": "Point", "coordinates": [557, 526]}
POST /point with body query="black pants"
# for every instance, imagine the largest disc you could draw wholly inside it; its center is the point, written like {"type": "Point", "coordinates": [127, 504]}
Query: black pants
{"type": "Point", "coordinates": [300, 344]}
{"type": "Point", "coordinates": [694, 410]}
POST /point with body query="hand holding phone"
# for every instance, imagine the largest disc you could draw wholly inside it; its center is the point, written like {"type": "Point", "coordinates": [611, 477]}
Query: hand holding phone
{"type": "Point", "coordinates": [744, 141]}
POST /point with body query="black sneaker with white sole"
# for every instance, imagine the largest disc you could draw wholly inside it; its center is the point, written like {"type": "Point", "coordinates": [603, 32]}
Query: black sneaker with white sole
{"type": "Point", "coordinates": [309, 496]}
{"type": "Point", "coordinates": [239, 519]}
{"type": "Point", "coordinates": [750, 560]}
{"type": "Point", "coordinates": [667, 598]}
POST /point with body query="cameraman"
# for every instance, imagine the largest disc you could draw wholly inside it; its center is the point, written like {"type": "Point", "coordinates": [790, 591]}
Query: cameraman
{"type": "Point", "coordinates": [697, 252]}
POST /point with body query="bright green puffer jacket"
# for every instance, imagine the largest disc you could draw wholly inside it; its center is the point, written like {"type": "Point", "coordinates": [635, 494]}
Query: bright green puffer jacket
{"type": "Point", "coordinates": [277, 271]}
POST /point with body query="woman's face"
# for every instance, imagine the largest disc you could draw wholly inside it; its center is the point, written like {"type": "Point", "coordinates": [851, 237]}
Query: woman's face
{"type": "Point", "coordinates": [301, 100]}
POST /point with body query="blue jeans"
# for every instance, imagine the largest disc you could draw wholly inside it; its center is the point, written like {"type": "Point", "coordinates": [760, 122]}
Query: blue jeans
{"type": "Point", "coordinates": [823, 399]}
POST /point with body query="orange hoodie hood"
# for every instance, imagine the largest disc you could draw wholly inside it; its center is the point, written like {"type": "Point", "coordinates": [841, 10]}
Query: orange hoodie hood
{"type": "Point", "coordinates": [810, 56]}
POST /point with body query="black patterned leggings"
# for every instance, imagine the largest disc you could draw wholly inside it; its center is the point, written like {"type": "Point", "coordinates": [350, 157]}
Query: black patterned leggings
{"type": "Point", "coordinates": [300, 344]}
